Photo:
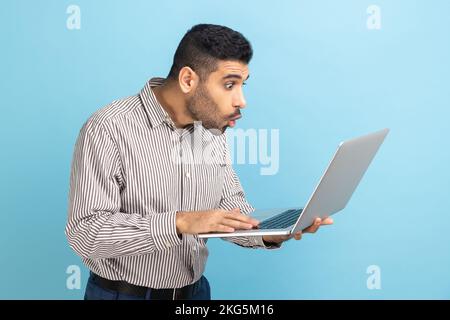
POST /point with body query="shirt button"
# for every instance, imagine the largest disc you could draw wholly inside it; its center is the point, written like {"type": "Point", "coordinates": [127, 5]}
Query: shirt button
{"type": "Point", "coordinates": [167, 244]}
{"type": "Point", "coordinates": [188, 174]}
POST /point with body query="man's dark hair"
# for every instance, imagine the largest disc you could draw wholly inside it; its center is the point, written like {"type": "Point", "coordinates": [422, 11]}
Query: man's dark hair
{"type": "Point", "coordinates": [204, 44]}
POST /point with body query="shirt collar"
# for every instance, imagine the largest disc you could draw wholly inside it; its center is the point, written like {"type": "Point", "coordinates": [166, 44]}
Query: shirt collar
{"type": "Point", "coordinates": [153, 108]}
{"type": "Point", "coordinates": [157, 114]}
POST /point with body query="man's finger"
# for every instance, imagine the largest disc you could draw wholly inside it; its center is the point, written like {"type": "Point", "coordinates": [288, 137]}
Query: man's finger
{"type": "Point", "coordinates": [327, 221]}
{"type": "Point", "coordinates": [313, 228]}
{"type": "Point", "coordinates": [237, 224]}
{"type": "Point", "coordinates": [298, 235]}
{"type": "Point", "coordinates": [234, 214]}
{"type": "Point", "coordinates": [223, 228]}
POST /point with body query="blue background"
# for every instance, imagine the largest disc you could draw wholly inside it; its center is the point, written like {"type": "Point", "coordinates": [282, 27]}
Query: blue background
{"type": "Point", "coordinates": [319, 75]}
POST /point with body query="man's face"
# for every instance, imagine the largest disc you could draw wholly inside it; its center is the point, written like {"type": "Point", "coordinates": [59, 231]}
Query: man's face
{"type": "Point", "coordinates": [217, 101]}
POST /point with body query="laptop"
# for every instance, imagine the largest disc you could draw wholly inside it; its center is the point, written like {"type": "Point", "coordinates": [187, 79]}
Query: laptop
{"type": "Point", "coordinates": [332, 193]}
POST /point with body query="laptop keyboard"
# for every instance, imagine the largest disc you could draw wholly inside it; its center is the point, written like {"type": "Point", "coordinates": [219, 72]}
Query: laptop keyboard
{"type": "Point", "coordinates": [280, 221]}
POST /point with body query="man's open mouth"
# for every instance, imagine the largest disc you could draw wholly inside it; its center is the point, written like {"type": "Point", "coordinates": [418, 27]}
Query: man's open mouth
{"type": "Point", "coordinates": [236, 117]}
{"type": "Point", "coordinates": [232, 121]}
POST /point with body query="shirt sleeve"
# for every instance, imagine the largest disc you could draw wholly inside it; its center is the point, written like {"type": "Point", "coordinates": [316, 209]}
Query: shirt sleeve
{"type": "Point", "coordinates": [233, 196]}
{"type": "Point", "coordinates": [96, 228]}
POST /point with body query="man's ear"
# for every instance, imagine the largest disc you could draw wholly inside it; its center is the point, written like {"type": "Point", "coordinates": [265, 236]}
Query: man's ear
{"type": "Point", "coordinates": [188, 80]}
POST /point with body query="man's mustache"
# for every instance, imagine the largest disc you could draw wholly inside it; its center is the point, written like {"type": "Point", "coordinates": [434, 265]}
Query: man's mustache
{"type": "Point", "coordinates": [235, 115]}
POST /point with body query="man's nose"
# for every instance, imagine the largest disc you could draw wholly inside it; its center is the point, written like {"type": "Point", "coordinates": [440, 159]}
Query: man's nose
{"type": "Point", "coordinates": [240, 101]}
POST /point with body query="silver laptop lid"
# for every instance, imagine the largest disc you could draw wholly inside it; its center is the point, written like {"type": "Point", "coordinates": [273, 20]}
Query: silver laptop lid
{"type": "Point", "coordinates": [341, 178]}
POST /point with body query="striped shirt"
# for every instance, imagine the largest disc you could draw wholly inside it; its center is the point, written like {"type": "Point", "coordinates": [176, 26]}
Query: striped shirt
{"type": "Point", "coordinates": [132, 170]}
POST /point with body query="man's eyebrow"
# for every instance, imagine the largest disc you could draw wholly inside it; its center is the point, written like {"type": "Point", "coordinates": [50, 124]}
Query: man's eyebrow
{"type": "Point", "coordinates": [235, 76]}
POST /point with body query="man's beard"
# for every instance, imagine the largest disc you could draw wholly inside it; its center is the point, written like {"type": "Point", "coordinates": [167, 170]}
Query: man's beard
{"type": "Point", "coordinates": [202, 108]}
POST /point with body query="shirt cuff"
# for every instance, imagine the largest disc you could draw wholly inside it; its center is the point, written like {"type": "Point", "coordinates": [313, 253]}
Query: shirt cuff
{"type": "Point", "coordinates": [259, 242]}
{"type": "Point", "coordinates": [163, 230]}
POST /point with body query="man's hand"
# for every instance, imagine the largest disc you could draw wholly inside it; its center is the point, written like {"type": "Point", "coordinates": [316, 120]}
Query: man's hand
{"type": "Point", "coordinates": [217, 220]}
{"type": "Point", "coordinates": [297, 236]}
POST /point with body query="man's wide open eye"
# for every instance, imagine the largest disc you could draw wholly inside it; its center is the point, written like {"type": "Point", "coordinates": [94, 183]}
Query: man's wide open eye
{"type": "Point", "coordinates": [229, 85]}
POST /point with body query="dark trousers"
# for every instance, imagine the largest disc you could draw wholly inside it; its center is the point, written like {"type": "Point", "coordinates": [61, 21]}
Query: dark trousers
{"type": "Point", "coordinates": [200, 290]}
